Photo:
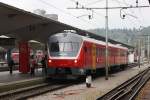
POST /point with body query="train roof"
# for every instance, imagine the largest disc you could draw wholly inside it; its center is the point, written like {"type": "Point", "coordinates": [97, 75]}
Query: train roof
{"type": "Point", "coordinates": [85, 38]}
{"type": "Point", "coordinates": [103, 43]}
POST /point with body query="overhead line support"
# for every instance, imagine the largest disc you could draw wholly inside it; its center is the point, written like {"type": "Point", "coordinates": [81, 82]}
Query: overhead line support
{"type": "Point", "coordinates": [124, 7]}
{"type": "Point", "coordinates": [106, 26]}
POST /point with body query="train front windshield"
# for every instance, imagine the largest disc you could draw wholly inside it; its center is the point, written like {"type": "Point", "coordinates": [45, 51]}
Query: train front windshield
{"type": "Point", "coordinates": [64, 49]}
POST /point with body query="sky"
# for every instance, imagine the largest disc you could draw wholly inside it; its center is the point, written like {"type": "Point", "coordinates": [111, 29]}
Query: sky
{"type": "Point", "coordinates": [135, 18]}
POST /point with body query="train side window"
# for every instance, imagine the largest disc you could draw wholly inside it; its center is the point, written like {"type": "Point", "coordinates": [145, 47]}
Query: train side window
{"type": "Point", "coordinates": [101, 50]}
{"type": "Point", "coordinates": [97, 51]}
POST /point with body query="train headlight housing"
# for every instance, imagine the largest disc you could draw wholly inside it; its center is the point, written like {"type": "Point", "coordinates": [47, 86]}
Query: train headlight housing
{"type": "Point", "coordinates": [75, 61]}
{"type": "Point", "coordinates": [49, 61]}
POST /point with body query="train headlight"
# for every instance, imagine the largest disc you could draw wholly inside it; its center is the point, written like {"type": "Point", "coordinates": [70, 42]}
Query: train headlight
{"type": "Point", "coordinates": [75, 61]}
{"type": "Point", "coordinates": [49, 61]}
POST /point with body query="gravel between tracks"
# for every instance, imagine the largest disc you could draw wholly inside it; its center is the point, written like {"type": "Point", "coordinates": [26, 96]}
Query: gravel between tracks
{"type": "Point", "coordinates": [99, 87]}
{"type": "Point", "coordinates": [144, 94]}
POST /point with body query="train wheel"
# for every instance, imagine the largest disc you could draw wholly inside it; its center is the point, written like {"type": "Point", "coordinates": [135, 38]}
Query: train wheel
{"type": "Point", "coordinates": [88, 81]}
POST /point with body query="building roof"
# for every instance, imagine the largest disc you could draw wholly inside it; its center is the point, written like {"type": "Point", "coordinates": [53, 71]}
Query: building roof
{"type": "Point", "coordinates": [23, 25]}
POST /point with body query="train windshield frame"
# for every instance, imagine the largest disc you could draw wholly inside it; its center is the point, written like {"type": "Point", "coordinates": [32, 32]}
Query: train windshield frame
{"type": "Point", "coordinates": [64, 49]}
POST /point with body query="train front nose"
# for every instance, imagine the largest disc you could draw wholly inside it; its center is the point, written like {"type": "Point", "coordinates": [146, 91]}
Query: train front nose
{"type": "Point", "coordinates": [62, 63]}
{"type": "Point", "coordinates": [65, 67]}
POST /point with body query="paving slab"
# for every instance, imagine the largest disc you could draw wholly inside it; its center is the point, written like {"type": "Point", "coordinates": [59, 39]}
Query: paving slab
{"type": "Point", "coordinates": [6, 77]}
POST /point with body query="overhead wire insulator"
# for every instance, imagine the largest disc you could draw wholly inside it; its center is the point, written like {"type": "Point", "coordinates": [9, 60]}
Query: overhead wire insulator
{"type": "Point", "coordinates": [77, 4]}
{"type": "Point", "coordinates": [90, 17]}
{"type": "Point", "coordinates": [122, 16]}
{"type": "Point", "coordinates": [137, 3]}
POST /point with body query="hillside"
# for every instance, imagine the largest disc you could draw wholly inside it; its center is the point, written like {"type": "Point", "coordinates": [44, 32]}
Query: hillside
{"type": "Point", "coordinates": [127, 36]}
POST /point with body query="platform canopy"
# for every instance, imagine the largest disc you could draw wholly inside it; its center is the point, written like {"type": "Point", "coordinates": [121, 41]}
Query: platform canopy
{"type": "Point", "coordinates": [23, 25]}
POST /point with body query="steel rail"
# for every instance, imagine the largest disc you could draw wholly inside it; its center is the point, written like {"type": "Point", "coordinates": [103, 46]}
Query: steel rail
{"type": "Point", "coordinates": [123, 91]}
{"type": "Point", "coordinates": [35, 90]}
{"type": "Point", "coordinates": [127, 87]}
{"type": "Point", "coordinates": [139, 88]}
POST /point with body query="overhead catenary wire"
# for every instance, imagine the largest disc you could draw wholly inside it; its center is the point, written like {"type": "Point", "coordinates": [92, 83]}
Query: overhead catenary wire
{"type": "Point", "coordinates": [127, 4]}
{"type": "Point", "coordinates": [136, 16]}
{"type": "Point", "coordinates": [99, 14]}
{"type": "Point", "coordinates": [141, 16]}
{"type": "Point", "coordinates": [67, 13]}
{"type": "Point", "coordinates": [121, 7]}
{"type": "Point", "coordinates": [94, 2]}
{"type": "Point", "coordinates": [135, 23]}
{"type": "Point", "coordinates": [131, 15]}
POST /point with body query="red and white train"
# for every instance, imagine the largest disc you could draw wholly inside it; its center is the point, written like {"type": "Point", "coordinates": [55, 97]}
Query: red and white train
{"type": "Point", "coordinates": [38, 55]}
{"type": "Point", "coordinates": [70, 53]}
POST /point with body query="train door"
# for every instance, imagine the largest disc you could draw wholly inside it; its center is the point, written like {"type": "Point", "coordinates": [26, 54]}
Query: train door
{"type": "Point", "coordinates": [93, 57]}
{"type": "Point", "coordinates": [86, 56]}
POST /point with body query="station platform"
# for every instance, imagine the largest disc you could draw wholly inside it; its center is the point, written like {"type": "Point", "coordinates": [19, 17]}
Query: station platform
{"type": "Point", "coordinates": [6, 77]}
{"type": "Point", "coordinates": [100, 86]}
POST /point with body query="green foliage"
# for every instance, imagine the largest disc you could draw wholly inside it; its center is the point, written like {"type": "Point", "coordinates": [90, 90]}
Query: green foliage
{"type": "Point", "coordinates": [127, 36]}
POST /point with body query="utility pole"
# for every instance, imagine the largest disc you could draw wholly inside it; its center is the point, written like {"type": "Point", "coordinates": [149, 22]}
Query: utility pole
{"type": "Point", "coordinates": [148, 49]}
{"type": "Point", "coordinates": [106, 39]}
{"type": "Point", "coordinates": [106, 25]}
{"type": "Point", "coordinates": [139, 52]}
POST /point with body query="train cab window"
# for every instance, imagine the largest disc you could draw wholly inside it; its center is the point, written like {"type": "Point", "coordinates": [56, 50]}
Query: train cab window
{"type": "Point", "coordinates": [75, 46]}
{"type": "Point", "coordinates": [54, 47]}
{"type": "Point", "coordinates": [64, 49]}
{"type": "Point", "coordinates": [68, 47]}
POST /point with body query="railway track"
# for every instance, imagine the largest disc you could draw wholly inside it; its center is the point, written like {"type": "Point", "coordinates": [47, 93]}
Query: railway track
{"type": "Point", "coordinates": [34, 90]}
{"type": "Point", "coordinates": [144, 93]}
{"type": "Point", "coordinates": [129, 89]}
{"type": "Point", "coordinates": [6, 68]}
